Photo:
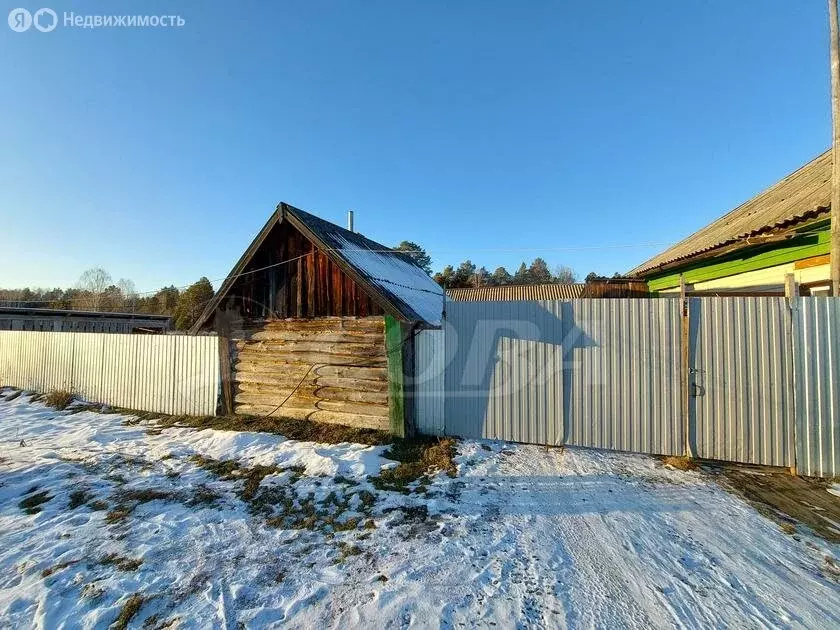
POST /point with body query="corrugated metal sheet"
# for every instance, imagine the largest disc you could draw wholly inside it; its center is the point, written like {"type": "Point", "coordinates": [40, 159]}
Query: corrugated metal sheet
{"type": "Point", "coordinates": [817, 339]}
{"type": "Point", "coordinates": [600, 373]}
{"type": "Point", "coordinates": [741, 356]}
{"type": "Point", "coordinates": [606, 374]}
{"type": "Point", "coordinates": [428, 385]}
{"type": "Point", "coordinates": [173, 374]}
{"type": "Point", "coordinates": [504, 371]}
{"type": "Point", "coordinates": [517, 292]}
{"type": "Point", "coordinates": [623, 375]}
{"type": "Point", "coordinates": [802, 194]}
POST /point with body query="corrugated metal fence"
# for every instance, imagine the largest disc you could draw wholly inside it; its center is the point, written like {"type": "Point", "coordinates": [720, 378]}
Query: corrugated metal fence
{"type": "Point", "coordinates": [174, 374]}
{"type": "Point", "coordinates": [763, 377]}
{"type": "Point", "coordinates": [817, 368]}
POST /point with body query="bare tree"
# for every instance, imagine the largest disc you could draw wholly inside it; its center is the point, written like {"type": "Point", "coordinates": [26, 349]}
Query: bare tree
{"type": "Point", "coordinates": [93, 283]}
{"type": "Point", "coordinates": [564, 275]}
{"type": "Point", "coordinates": [129, 293]}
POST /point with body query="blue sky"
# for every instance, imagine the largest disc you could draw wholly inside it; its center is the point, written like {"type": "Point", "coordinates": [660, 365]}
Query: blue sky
{"type": "Point", "coordinates": [496, 131]}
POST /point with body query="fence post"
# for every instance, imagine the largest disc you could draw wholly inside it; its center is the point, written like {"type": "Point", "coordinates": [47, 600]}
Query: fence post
{"type": "Point", "coordinates": [223, 329]}
{"type": "Point", "coordinates": [685, 366]}
{"type": "Point", "coordinates": [792, 295]}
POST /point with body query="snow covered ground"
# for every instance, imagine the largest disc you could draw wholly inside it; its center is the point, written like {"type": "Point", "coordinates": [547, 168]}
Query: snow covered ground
{"type": "Point", "coordinates": [523, 536]}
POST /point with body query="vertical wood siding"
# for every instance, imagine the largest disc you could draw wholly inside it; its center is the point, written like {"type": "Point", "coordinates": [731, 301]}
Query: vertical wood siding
{"type": "Point", "coordinates": [173, 374]}
{"type": "Point", "coordinates": [309, 285]}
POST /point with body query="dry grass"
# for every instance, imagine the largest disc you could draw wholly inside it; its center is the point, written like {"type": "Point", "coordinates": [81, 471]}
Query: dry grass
{"type": "Point", "coordinates": [118, 514]}
{"type": "Point", "coordinates": [144, 495]}
{"type": "Point", "coordinates": [417, 459]}
{"type": "Point", "coordinates": [32, 503]}
{"type": "Point", "coordinates": [121, 562]}
{"type": "Point", "coordinates": [78, 498]}
{"type": "Point", "coordinates": [680, 463]}
{"type": "Point", "coordinates": [128, 499]}
{"type": "Point", "coordinates": [58, 398]}
{"type": "Point", "coordinates": [303, 430]}
{"type": "Point", "coordinates": [129, 609]}
{"type": "Point", "coordinates": [58, 567]}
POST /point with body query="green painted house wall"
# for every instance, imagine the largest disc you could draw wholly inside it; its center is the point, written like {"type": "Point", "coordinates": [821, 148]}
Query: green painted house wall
{"type": "Point", "coordinates": [815, 241]}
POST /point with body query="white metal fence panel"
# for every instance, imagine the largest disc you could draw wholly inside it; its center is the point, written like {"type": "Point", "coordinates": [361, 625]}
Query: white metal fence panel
{"type": "Point", "coordinates": [622, 375]}
{"type": "Point", "coordinates": [764, 379]}
{"type": "Point", "coordinates": [742, 394]}
{"type": "Point", "coordinates": [173, 374]}
{"type": "Point", "coordinates": [428, 385]}
{"type": "Point", "coordinates": [503, 376]}
{"type": "Point", "coordinates": [817, 350]}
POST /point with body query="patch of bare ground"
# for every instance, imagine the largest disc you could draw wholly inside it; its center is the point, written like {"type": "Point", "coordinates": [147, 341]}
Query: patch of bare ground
{"type": "Point", "coordinates": [128, 611]}
{"type": "Point", "coordinates": [58, 399]}
{"type": "Point", "coordinates": [784, 498]}
{"type": "Point", "coordinates": [121, 562]}
{"type": "Point", "coordinates": [418, 458]}
{"type": "Point", "coordinates": [32, 501]}
{"type": "Point", "coordinates": [680, 463]}
{"type": "Point", "coordinates": [302, 430]}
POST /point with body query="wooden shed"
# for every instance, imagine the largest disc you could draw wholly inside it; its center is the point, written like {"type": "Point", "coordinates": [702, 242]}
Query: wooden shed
{"type": "Point", "coordinates": [320, 323]}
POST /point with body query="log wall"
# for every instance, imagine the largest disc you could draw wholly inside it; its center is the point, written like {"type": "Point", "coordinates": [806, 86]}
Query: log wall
{"type": "Point", "coordinates": [339, 363]}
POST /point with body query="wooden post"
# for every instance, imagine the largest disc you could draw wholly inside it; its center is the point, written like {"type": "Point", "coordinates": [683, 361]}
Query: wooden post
{"type": "Point", "coordinates": [834, 261]}
{"type": "Point", "coordinates": [225, 368]}
{"type": "Point", "coordinates": [685, 366]}
{"type": "Point", "coordinates": [396, 385]}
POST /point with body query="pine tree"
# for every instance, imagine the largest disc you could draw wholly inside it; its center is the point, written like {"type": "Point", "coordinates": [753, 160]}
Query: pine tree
{"type": "Point", "coordinates": [521, 276]}
{"type": "Point", "coordinates": [418, 255]}
{"type": "Point", "coordinates": [501, 277]}
{"type": "Point", "coordinates": [538, 272]}
{"type": "Point", "coordinates": [463, 274]}
{"type": "Point", "coordinates": [191, 303]}
{"type": "Point", "coordinates": [481, 278]}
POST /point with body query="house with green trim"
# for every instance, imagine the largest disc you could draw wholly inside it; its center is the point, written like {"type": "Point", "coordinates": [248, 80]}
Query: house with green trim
{"type": "Point", "coordinates": [751, 249]}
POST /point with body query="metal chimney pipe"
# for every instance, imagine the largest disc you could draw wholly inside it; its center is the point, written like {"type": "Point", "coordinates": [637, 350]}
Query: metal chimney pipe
{"type": "Point", "coordinates": [350, 220]}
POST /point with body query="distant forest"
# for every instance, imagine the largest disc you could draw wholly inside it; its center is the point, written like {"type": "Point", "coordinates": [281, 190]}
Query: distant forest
{"type": "Point", "coordinates": [468, 275]}
{"type": "Point", "coordinates": [97, 291]}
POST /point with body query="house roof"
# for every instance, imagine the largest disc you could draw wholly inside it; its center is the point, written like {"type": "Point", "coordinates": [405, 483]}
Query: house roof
{"type": "Point", "coordinates": [801, 196]}
{"type": "Point", "coordinates": [517, 292]}
{"type": "Point", "coordinates": [391, 278]}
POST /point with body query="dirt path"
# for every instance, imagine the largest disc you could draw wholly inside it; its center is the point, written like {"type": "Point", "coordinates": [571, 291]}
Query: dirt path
{"type": "Point", "coordinates": [546, 538]}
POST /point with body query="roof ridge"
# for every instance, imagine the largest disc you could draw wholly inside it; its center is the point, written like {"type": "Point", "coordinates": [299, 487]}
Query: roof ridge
{"type": "Point", "coordinates": [798, 188]}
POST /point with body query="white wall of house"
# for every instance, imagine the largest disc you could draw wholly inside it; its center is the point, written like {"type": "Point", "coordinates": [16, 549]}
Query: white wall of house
{"type": "Point", "coordinates": [769, 279]}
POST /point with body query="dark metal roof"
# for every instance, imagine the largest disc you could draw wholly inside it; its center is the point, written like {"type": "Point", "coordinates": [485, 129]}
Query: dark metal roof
{"type": "Point", "coordinates": [517, 292]}
{"type": "Point", "coordinates": [801, 196]}
{"type": "Point", "coordinates": [391, 278]}
{"type": "Point", "coordinates": [57, 312]}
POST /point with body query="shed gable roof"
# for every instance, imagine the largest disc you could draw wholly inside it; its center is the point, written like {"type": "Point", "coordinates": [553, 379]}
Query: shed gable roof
{"type": "Point", "coordinates": [391, 278]}
{"type": "Point", "coordinates": [802, 195]}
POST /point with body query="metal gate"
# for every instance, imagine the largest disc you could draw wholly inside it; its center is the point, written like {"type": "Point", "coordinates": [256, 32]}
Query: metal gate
{"type": "Point", "coordinates": [761, 386]}
{"type": "Point", "coordinates": [741, 400]}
